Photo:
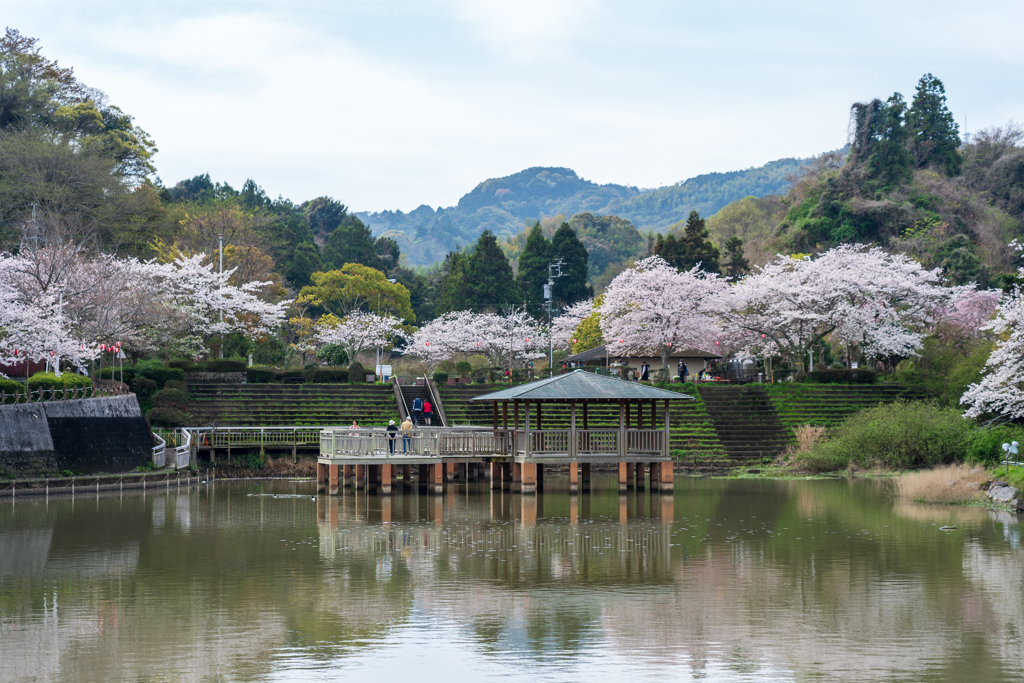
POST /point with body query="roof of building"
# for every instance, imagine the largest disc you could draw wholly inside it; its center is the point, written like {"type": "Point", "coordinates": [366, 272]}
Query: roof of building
{"type": "Point", "coordinates": [581, 385]}
{"type": "Point", "coordinates": [599, 352]}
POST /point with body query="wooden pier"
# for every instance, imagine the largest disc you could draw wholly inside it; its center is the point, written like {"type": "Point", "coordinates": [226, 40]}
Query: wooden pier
{"type": "Point", "coordinates": [516, 451]}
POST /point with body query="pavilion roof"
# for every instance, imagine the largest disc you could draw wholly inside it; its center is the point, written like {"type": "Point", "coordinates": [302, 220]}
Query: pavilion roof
{"type": "Point", "coordinates": [581, 385]}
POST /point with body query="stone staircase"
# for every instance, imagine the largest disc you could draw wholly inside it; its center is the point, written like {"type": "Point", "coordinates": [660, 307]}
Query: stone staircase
{"type": "Point", "coordinates": [410, 393]}
{"type": "Point", "coordinates": [828, 405]}
{"type": "Point", "coordinates": [747, 424]}
{"type": "Point", "coordinates": [263, 405]}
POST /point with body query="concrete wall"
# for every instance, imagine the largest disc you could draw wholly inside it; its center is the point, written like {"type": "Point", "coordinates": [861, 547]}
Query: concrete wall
{"type": "Point", "coordinates": [84, 436]}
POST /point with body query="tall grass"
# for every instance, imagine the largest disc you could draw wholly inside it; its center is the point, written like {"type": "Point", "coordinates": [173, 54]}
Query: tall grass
{"type": "Point", "coordinates": [897, 436]}
{"type": "Point", "coordinates": [947, 484]}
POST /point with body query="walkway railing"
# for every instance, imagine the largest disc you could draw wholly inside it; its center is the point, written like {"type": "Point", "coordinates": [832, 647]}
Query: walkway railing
{"type": "Point", "coordinates": [177, 444]}
{"type": "Point", "coordinates": [588, 442]}
{"type": "Point", "coordinates": [423, 442]}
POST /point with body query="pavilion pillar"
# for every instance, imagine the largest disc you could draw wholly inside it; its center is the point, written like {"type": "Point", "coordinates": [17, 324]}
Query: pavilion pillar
{"type": "Point", "coordinates": [450, 471]}
{"type": "Point", "coordinates": [574, 484]}
{"type": "Point", "coordinates": [333, 480]}
{"type": "Point", "coordinates": [506, 442]}
{"type": "Point", "coordinates": [360, 481]}
{"type": "Point", "coordinates": [630, 475]}
{"type": "Point", "coordinates": [424, 477]}
{"type": "Point", "coordinates": [539, 419]}
{"type": "Point", "coordinates": [655, 475]}
{"type": "Point", "coordinates": [640, 483]}
{"type": "Point", "coordinates": [585, 478]}
{"type": "Point", "coordinates": [385, 479]}
{"type": "Point", "coordinates": [623, 478]}
{"type": "Point", "coordinates": [517, 477]}
{"type": "Point", "coordinates": [528, 446]}
{"type": "Point", "coordinates": [471, 471]}
{"type": "Point", "coordinates": [506, 476]}
{"type": "Point", "coordinates": [321, 477]}
{"type": "Point", "coordinates": [622, 450]}
{"type": "Point", "coordinates": [406, 476]}
{"type": "Point", "coordinates": [573, 446]}
{"type": "Point", "coordinates": [665, 444]}
{"type": "Point", "coordinates": [540, 477]}
{"type": "Point", "coordinates": [667, 478]}
{"type": "Point", "coordinates": [346, 475]}
{"type": "Point", "coordinates": [528, 477]}
{"type": "Point", "coordinates": [495, 475]}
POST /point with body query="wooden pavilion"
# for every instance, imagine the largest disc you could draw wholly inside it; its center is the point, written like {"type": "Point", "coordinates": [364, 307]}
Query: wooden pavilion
{"type": "Point", "coordinates": [641, 436]}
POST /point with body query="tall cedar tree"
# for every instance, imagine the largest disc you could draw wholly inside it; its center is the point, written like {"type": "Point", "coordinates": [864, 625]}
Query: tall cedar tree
{"type": "Point", "coordinates": [693, 246]}
{"type": "Point", "coordinates": [936, 137]}
{"type": "Point", "coordinates": [351, 242]}
{"type": "Point", "coordinates": [489, 279]}
{"type": "Point", "coordinates": [572, 286]}
{"type": "Point", "coordinates": [533, 270]}
{"type": "Point", "coordinates": [451, 287]}
{"type": "Point", "coordinates": [890, 164]}
{"type": "Point", "coordinates": [737, 265]}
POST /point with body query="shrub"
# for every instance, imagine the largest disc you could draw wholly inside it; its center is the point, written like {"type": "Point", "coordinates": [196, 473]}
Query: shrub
{"type": "Point", "coordinates": [440, 377]}
{"type": "Point", "coordinates": [10, 387]}
{"type": "Point", "coordinates": [175, 384]}
{"type": "Point", "coordinates": [333, 355]}
{"type": "Point", "coordinates": [143, 387]}
{"type": "Point", "coordinates": [478, 361]}
{"type": "Point", "coordinates": [49, 380]}
{"type": "Point", "coordinates": [480, 375]}
{"type": "Point", "coordinates": [259, 375]}
{"type": "Point", "coordinates": [807, 438]}
{"type": "Point", "coordinates": [518, 376]}
{"type": "Point", "coordinates": [129, 373]}
{"type": "Point", "coordinates": [843, 376]}
{"type": "Point", "coordinates": [985, 446]}
{"type": "Point", "coordinates": [226, 365]}
{"type": "Point", "coordinates": [356, 373]}
{"type": "Point", "coordinates": [168, 416]}
{"type": "Point", "coordinates": [495, 374]}
{"type": "Point", "coordinates": [463, 368]}
{"type": "Point", "coordinates": [897, 436]}
{"type": "Point", "coordinates": [171, 396]}
{"type": "Point", "coordinates": [446, 366]}
{"type": "Point", "coordinates": [184, 364]}
{"type": "Point", "coordinates": [329, 376]}
{"type": "Point", "coordinates": [159, 374]}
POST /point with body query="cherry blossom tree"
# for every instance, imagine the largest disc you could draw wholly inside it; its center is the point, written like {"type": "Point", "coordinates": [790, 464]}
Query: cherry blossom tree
{"type": "Point", "coordinates": [360, 330]}
{"type": "Point", "coordinates": [563, 328]}
{"type": "Point", "coordinates": [652, 307]}
{"type": "Point", "coordinates": [883, 302]}
{"type": "Point", "coordinates": [508, 339]}
{"type": "Point", "coordinates": [1000, 393]}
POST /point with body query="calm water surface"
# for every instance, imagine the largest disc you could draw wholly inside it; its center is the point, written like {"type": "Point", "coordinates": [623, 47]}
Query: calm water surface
{"type": "Point", "coordinates": [724, 581]}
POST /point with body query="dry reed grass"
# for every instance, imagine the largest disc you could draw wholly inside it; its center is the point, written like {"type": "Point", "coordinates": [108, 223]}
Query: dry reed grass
{"type": "Point", "coordinates": [807, 437]}
{"type": "Point", "coordinates": [946, 484]}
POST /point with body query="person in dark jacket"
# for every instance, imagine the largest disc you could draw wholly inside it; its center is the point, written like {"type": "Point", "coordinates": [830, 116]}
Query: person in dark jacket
{"type": "Point", "coordinates": [392, 432]}
{"type": "Point", "coordinates": [417, 411]}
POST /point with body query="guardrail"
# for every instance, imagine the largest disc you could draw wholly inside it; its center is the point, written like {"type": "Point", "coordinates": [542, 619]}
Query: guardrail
{"type": "Point", "coordinates": [180, 443]}
{"type": "Point", "coordinates": [159, 451]}
{"type": "Point", "coordinates": [437, 442]}
{"type": "Point", "coordinates": [40, 395]}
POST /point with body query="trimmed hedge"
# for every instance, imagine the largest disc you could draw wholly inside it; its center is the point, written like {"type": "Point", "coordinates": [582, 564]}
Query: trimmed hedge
{"type": "Point", "coordinates": [440, 377]}
{"type": "Point", "coordinates": [328, 376]}
{"type": "Point", "coordinates": [226, 365]}
{"type": "Point", "coordinates": [289, 375]}
{"type": "Point", "coordinates": [357, 373]}
{"type": "Point", "coordinates": [143, 387]}
{"type": "Point", "coordinates": [175, 384]}
{"type": "Point", "coordinates": [9, 387]}
{"type": "Point", "coordinates": [259, 375]}
{"type": "Point", "coordinates": [843, 376]}
{"type": "Point", "coordinates": [49, 380]}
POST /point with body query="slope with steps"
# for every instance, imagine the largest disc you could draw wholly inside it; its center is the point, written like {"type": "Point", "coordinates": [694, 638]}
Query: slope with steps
{"type": "Point", "coordinates": [828, 405]}
{"type": "Point", "coordinates": [747, 424]}
{"type": "Point", "coordinates": [691, 430]}
{"type": "Point", "coordinates": [260, 405]}
{"type": "Point", "coordinates": [411, 393]}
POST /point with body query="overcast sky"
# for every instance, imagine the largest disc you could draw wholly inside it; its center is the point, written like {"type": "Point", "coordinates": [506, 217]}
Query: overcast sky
{"type": "Point", "coordinates": [388, 105]}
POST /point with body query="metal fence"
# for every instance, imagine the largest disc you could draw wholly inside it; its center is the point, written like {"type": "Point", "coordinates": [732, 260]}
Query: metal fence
{"type": "Point", "coordinates": [40, 395]}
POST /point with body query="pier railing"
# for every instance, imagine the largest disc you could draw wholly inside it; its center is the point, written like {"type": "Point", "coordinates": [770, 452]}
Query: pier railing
{"type": "Point", "coordinates": [438, 442]}
{"type": "Point", "coordinates": [175, 448]}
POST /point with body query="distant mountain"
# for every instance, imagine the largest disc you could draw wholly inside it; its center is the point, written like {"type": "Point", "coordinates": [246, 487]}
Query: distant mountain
{"type": "Point", "coordinates": [504, 205]}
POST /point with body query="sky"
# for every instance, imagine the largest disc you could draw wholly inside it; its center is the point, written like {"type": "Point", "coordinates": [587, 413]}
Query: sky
{"type": "Point", "coordinates": [390, 105]}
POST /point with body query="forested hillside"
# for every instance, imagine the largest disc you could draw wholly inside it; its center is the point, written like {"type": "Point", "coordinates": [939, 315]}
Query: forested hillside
{"type": "Point", "coordinates": [505, 205]}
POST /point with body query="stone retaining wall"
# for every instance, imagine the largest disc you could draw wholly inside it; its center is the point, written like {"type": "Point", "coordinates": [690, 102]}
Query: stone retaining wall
{"type": "Point", "coordinates": [84, 436]}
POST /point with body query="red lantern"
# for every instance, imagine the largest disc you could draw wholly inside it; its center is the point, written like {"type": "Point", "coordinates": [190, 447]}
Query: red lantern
{"type": "Point", "coordinates": [573, 341]}
{"type": "Point", "coordinates": [15, 353]}
{"type": "Point", "coordinates": [622, 341]}
{"type": "Point", "coordinates": [763, 336]}
{"type": "Point", "coordinates": [103, 347]}
{"type": "Point", "coordinates": [52, 354]}
{"type": "Point", "coordinates": [716, 342]}
{"type": "Point", "coordinates": [478, 343]}
{"type": "Point", "coordinates": [426, 343]}
{"type": "Point", "coordinates": [526, 339]}
{"type": "Point", "coordinates": [668, 344]}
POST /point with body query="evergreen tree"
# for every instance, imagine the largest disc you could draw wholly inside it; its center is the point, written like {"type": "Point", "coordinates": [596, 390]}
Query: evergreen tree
{"type": "Point", "coordinates": [451, 286]}
{"type": "Point", "coordinates": [737, 265]}
{"type": "Point", "coordinates": [890, 164]}
{"type": "Point", "coordinates": [304, 262]}
{"type": "Point", "coordinates": [935, 137]}
{"type": "Point", "coordinates": [351, 242]}
{"type": "Point", "coordinates": [693, 246]}
{"type": "Point", "coordinates": [489, 281]}
{"type": "Point", "coordinates": [572, 286]}
{"type": "Point", "coordinates": [533, 270]}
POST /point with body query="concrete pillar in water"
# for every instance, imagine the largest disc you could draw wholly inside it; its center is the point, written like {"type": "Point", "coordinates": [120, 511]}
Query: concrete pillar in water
{"type": "Point", "coordinates": [437, 478]}
{"type": "Point", "coordinates": [321, 477]}
{"type": "Point", "coordinates": [517, 477]}
{"type": "Point", "coordinates": [574, 483]}
{"type": "Point", "coordinates": [506, 476]}
{"type": "Point", "coordinates": [540, 477]}
{"type": "Point", "coordinates": [623, 471]}
{"type": "Point", "coordinates": [495, 475]}
{"type": "Point", "coordinates": [333, 480]}
{"type": "Point", "coordinates": [585, 483]}
{"type": "Point", "coordinates": [385, 479]}
{"type": "Point", "coordinates": [346, 475]}
{"type": "Point", "coordinates": [406, 476]}
{"type": "Point", "coordinates": [528, 481]}
{"type": "Point", "coordinates": [655, 475]}
{"type": "Point", "coordinates": [424, 482]}
{"type": "Point", "coordinates": [630, 475]}
{"type": "Point", "coordinates": [668, 479]}
{"type": "Point", "coordinates": [360, 481]}
{"type": "Point", "coordinates": [640, 483]}
{"type": "Point", "coordinates": [450, 472]}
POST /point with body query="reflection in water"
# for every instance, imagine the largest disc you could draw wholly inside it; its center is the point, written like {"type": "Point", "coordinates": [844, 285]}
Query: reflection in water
{"type": "Point", "coordinates": [725, 580]}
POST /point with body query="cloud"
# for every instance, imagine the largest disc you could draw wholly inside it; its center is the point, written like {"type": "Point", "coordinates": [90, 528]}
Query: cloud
{"type": "Point", "coordinates": [525, 30]}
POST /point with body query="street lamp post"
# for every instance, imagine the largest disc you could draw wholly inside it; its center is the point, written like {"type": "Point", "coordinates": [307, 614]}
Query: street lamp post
{"type": "Point", "coordinates": [220, 249]}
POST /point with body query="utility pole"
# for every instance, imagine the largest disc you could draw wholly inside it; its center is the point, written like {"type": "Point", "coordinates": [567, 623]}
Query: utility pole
{"type": "Point", "coordinates": [220, 241]}
{"type": "Point", "coordinates": [554, 270]}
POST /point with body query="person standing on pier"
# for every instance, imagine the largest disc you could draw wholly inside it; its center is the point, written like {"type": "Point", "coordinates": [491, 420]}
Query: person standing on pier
{"type": "Point", "coordinates": [417, 411]}
{"type": "Point", "coordinates": [428, 411]}
{"type": "Point", "coordinates": [406, 429]}
{"type": "Point", "coordinates": [392, 433]}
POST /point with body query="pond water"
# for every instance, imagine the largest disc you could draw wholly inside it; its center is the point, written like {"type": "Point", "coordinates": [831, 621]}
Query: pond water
{"type": "Point", "coordinates": [727, 580]}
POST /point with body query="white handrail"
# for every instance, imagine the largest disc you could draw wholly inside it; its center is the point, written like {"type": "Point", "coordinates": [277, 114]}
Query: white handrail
{"type": "Point", "coordinates": [159, 451]}
{"type": "Point", "coordinates": [183, 452]}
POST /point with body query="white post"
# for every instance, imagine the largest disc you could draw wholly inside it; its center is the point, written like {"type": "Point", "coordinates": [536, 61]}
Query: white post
{"type": "Point", "coordinates": [220, 241]}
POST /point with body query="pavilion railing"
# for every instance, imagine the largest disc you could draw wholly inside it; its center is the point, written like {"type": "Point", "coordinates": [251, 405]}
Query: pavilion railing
{"type": "Point", "coordinates": [592, 441]}
{"type": "Point", "coordinates": [645, 441]}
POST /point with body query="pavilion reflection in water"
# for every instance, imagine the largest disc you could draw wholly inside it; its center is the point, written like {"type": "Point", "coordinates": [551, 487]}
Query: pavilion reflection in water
{"type": "Point", "coordinates": [514, 452]}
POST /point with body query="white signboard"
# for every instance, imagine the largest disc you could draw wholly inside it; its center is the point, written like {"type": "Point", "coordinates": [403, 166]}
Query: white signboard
{"type": "Point", "coordinates": [384, 371]}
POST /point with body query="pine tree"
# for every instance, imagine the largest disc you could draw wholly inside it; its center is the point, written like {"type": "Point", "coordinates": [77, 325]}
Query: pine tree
{"type": "Point", "coordinates": [572, 286]}
{"type": "Point", "coordinates": [351, 242]}
{"type": "Point", "coordinates": [451, 289]}
{"type": "Point", "coordinates": [737, 265]}
{"type": "Point", "coordinates": [693, 246]}
{"type": "Point", "coordinates": [935, 137]}
{"type": "Point", "coordinates": [489, 281]}
{"type": "Point", "coordinates": [533, 269]}
{"type": "Point", "coordinates": [890, 164]}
